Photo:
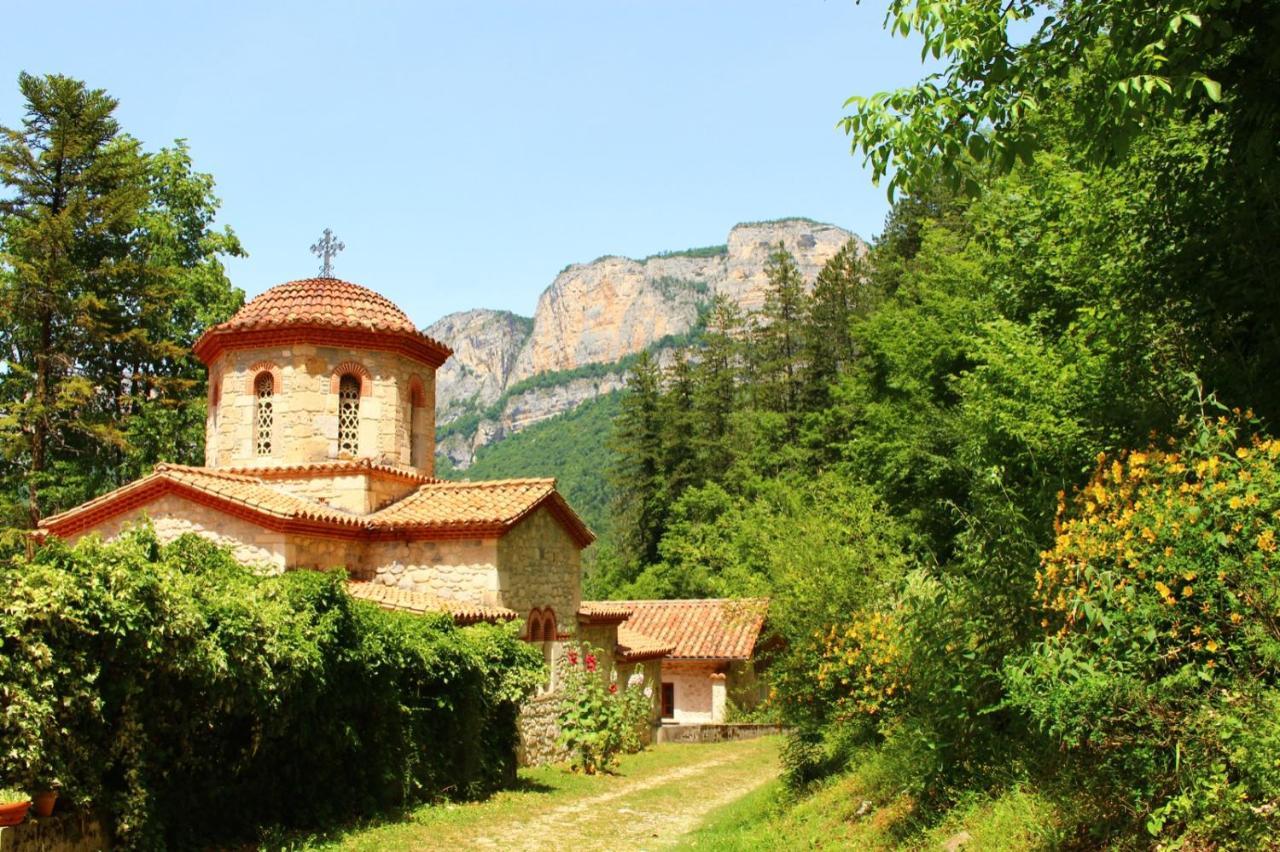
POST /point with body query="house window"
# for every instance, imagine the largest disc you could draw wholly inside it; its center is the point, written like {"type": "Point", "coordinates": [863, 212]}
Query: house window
{"type": "Point", "coordinates": [549, 624]}
{"type": "Point", "coordinates": [264, 388]}
{"type": "Point", "coordinates": [535, 626]}
{"type": "Point", "coordinates": [417, 401]}
{"type": "Point", "coordinates": [668, 701]}
{"type": "Point", "coordinates": [349, 415]}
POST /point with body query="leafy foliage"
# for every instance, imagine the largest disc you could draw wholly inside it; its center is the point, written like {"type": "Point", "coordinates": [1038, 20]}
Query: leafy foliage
{"type": "Point", "coordinates": [600, 717]}
{"type": "Point", "coordinates": [109, 271]}
{"type": "Point", "coordinates": [195, 700]}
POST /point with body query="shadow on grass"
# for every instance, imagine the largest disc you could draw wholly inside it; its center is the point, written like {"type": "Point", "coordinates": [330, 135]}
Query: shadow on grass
{"type": "Point", "coordinates": [320, 836]}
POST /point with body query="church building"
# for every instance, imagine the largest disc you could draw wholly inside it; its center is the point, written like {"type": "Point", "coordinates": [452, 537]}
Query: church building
{"type": "Point", "coordinates": [320, 453]}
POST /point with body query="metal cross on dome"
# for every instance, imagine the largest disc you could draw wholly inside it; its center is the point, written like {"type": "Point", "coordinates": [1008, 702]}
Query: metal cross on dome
{"type": "Point", "coordinates": [325, 249]}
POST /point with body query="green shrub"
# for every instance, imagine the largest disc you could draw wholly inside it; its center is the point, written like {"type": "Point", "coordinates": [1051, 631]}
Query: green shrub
{"type": "Point", "coordinates": [600, 717]}
{"type": "Point", "coordinates": [193, 700]}
{"type": "Point", "coordinates": [1158, 672]}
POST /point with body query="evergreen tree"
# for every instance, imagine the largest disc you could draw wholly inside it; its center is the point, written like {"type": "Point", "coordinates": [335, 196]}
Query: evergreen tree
{"type": "Point", "coordinates": [716, 388]}
{"type": "Point", "coordinates": [638, 474]}
{"type": "Point", "coordinates": [679, 421]}
{"type": "Point", "coordinates": [107, 270]}
{"type": "Point", "coordinates": [842, 293]}
{"type": "Point", "coordinates": [778, 340]}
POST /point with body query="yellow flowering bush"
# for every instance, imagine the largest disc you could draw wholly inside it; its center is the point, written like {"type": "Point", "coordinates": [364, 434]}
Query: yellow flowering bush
{"type": "Point", "coordinates": [1160, 653]}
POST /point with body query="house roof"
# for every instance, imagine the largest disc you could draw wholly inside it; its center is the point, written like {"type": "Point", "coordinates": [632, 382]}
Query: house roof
{"type": "Point", "coordinates": [345, 467]}
{"type": "Point", "coordinates": [435, 510]}
{"type": "Point", "coordinates": [706, 629]}
{"type": "Point", "coordinates": [499, 504]}
{"type": "Point", "coordinates": [403, 600]}
{"type": "Point", "coordinates": [602, 612]}
{"type": "Point", "coordinates": [326, 311]}
{"type": "Point", "coordinates": [633, 647]}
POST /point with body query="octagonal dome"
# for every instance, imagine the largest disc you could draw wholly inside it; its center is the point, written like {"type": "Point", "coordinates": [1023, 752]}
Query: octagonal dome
{"type": "Point", "coordinates": [321, 310]}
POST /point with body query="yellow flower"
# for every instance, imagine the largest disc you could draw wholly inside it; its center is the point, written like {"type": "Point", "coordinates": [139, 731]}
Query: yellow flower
{"type": "Point", "coordinates": [1212, 646]}
{"type": "Point", "coordinates": [1188, 591]}
{"type": "Point", "coordinates": [1242, 453]}
{"type": "Point", "coordinates": [1236, 618]}
{"type": "Point", "coordinates": [1267, 541]}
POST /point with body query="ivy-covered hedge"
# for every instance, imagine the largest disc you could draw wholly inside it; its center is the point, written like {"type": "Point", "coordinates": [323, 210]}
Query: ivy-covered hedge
{"type": "Point", "coordinates": [194, 701]}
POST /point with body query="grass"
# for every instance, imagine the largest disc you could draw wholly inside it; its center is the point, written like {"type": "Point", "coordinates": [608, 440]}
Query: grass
{"type": "Point", "coordinates": [866, 809]}
{"type": "Point", "coordinates": [584, 808]}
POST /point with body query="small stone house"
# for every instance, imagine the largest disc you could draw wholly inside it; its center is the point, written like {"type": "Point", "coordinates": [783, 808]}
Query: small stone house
{"type": "Point", "coordinates": [710, 661]}
{"type": "Point", "coordinates": [320, 453]}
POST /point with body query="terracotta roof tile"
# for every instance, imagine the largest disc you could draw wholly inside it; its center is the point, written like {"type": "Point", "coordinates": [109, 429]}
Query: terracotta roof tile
{"type": "Point", "coordinates": [435, 508]}
{"type": "Point", "coordinates": [321, 301]}
{"type": "Point", "coordinates": [603, 611]}
{"type": "Point", "coordinates": [316, 305]}
{"type": "Point", "coordinates": [633, 646]}
{"type": "Point", "coordinates": [403, 600]}
{"type": "Point", "coordinates": [498, 504]}
{"type": "Point", "coordinates": [331, 468]}
{"type": "Point", "coordinates": [714, 628]}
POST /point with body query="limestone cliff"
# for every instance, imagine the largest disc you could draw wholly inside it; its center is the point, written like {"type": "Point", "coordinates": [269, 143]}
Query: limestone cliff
{"type": "Point", "coordinates": [509, 372]}
{"type": "Point", "coordinates": [485, 345]}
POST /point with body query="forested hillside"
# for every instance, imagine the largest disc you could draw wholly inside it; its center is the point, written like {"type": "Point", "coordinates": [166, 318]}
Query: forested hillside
{"type": "Point", "coordinates": [1010, 480]}
{"type": "Point", "coordinates": [571, 447]}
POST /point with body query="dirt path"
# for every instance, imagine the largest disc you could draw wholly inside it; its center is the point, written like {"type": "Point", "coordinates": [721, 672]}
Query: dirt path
{"type": "Point", "coordinates": [647, 814]}
{"type": "Point", "coordinates": [653, 799]}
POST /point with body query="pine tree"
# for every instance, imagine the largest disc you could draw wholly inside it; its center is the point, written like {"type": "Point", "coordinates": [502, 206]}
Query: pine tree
{"type": "Point", "coordinates": [842, 293]}
{"type": "Point", "coordinates": [778, 339]}
{"type": "Point", "coordinates": [107, 269]}
{"type": "Point", "coordinates": [638, 475]}
{"type": "Point", "coordinates": [679, 420]}
{"type": "Point", "coordinates": [717, 379]}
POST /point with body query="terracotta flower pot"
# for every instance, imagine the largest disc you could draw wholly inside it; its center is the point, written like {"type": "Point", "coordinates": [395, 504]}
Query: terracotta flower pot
{"type": "Point", "coordinates": [44, 803]}
{"type": "Point", "coordinates": [12, 813]}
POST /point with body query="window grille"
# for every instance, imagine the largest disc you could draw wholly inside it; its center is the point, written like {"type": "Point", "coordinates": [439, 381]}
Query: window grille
{"type": "Point", "coordinates": [349, 415]}
{"type": "Point", "coordinates": [264, 388]}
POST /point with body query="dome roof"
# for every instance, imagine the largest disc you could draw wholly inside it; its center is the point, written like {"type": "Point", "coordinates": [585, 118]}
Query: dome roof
{"type": "Point", "coordinates": [312, 306]}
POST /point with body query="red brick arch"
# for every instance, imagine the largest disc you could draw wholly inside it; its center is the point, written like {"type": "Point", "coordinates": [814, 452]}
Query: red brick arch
{"type": "Point", "coordinates": [533, 626]}
{"type": "Point", "coordinates": [351, 368]}
{"type": "Point", "coordinates": [257, 370]}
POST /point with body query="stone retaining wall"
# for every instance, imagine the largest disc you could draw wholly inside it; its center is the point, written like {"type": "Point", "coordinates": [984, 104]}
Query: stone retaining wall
{"type": "Point", "coordinates": [716, 733]}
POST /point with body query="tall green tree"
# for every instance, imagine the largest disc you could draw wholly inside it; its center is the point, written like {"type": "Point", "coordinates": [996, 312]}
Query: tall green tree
{"type": "Point", "coordinates": [841, 293]}
{"type": "Point", "coordinates": [638, 475]}
{"type": "Point", "coordinates": [777, 351]}
{"type": "Point", "coordinates": [108, 269]}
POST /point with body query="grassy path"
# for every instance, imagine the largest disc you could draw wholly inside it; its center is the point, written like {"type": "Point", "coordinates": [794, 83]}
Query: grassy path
{"type": "Point", "coordinates": [653, 800]}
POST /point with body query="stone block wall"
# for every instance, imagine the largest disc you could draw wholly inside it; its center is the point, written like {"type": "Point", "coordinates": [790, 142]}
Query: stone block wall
{"type": "Point", "coordinates": [305, 407]}
{"type": "Point", "coordinates": [539, 731]}
{"type": "Point", "coordinates": [539, 565]}
{"type": "Point", "coordinates": [172, 516]}
{"type": "Point", "coordinates": [463, 570]}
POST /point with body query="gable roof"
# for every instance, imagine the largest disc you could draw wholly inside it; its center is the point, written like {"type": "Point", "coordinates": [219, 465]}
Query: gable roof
{"type": "Point", "coordinates": [633, 647]}
{"type": "Point", "coordinates": [434, 510]}
{"type": "Point", "coordinates": [704, 629]}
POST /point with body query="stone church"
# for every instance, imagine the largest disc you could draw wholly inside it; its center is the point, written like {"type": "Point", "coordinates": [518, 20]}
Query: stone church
{"type": "Point", "coordinates": [319, 454]}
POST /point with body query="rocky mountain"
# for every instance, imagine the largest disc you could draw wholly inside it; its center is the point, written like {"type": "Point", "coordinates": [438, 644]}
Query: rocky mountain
{"type": "Point", "coordinates": [509, 372]}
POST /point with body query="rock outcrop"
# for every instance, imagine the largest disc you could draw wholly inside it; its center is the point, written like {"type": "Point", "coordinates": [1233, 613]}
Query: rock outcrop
{"type": "Point", "coordinates": [485, 345]}
{"type": "Point", "coordinates": [598, 313]}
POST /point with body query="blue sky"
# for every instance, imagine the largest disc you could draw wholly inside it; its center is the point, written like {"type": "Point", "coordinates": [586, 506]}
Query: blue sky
{"type": "Point", "coordinates": [466, 152]}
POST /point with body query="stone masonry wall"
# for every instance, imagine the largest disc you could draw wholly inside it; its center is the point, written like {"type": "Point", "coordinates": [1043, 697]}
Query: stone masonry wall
{"type": "Point", "coordinates": [305, 407]}
{"type": "Point", "coordinates": [538, 731]}
{"type": "Point", "coordinates": [539, 565]}
{"type": "Point", "coordinates": [172, 516]}
{"type": "Point", "coordinates": [463, 570]}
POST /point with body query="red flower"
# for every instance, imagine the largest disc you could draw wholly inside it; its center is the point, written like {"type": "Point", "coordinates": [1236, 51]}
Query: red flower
{"type": "Point", "coordinates": [573, 658]}
{"type": "Point", "coordinates": [591, 662]}
{"type": "Point", "coordinates": [613, 689]}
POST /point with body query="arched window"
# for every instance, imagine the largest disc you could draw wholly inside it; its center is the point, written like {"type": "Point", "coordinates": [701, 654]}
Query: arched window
{"type": "Point", "coordinates": [535, 626]}
{"type": "Point", "coordinates": [417, 401]}
{"type": "Point", "coordinates": [549, 624]}
{"type": "Point", "coordinates": [349, 415]}
{"type": "Point", "coordinates": [264, 389]}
